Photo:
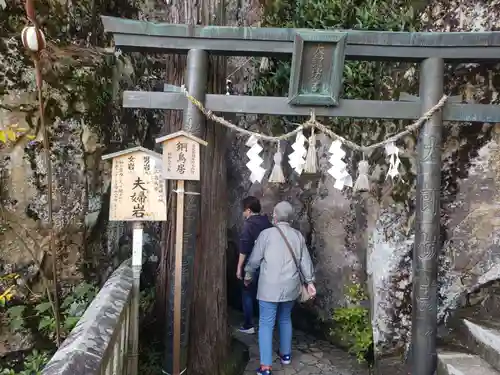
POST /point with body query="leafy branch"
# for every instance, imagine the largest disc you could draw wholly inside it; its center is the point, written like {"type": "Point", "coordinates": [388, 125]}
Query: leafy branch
{"type": "Point", "coordinates": [353, 324]}
{"type": "Point", "coordinates": [33, 364]}
{"type": "Point", "coordinates": [74, 305]}
{"type": "Point", "coordinates": [21, 239]}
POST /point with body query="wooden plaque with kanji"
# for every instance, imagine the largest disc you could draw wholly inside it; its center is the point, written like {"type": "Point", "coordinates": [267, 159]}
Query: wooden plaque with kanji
{"type": "Point", "coordinates": [137, 186]}
{"type": "Point", "coordinates": [181, 156]}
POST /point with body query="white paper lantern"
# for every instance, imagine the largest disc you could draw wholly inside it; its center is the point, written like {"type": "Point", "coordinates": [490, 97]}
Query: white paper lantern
{"type": "Point", "coordinates": [30, 40]}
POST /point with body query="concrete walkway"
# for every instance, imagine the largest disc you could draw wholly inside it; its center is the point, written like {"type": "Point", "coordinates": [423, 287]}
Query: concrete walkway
{"type": "Point", "coordinates": [309, 356]}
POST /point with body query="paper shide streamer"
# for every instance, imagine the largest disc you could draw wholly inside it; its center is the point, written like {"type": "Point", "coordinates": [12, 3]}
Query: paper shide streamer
{"type": "Point", "coordinates": [277, 176]}
{"type": "Point", "coordinates": [305, 160]}
{"type": "Point", "coordinates": [255, 163]}
{"type": "Point", "coordinates": [296, 158]}
{"type": "Point", "coordinates": [338, 170]}
{"type": "Point", "coordinates": [311, 157]}
{"type": "Point", "coordinates": [362, 182]}
{"type": "Point", "coordinates": [392, 151]}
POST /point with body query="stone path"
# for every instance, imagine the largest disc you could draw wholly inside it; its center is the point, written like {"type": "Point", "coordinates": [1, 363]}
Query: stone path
{"type": "Point", "coordinates": [309, 356]}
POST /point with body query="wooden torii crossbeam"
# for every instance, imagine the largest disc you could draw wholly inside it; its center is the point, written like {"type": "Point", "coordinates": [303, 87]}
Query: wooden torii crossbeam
{"type": "Point", "coordinates": [316, 82]}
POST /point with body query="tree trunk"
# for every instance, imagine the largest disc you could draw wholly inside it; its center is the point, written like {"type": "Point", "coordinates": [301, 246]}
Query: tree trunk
{"type": "Point", "coordinates": [209, 336]}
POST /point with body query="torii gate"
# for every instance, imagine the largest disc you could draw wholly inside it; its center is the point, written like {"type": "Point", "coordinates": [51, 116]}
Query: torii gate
{"type": "Point", "coordinates": [319, 86]}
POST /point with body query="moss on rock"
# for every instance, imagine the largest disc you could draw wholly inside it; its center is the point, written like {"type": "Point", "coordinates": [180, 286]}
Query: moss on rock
{"type": "Point", "coordinates": [82, 105]}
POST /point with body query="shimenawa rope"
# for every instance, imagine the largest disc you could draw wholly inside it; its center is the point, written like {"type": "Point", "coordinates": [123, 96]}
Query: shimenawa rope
{"type": "Point", "coordinates": [313, 123]}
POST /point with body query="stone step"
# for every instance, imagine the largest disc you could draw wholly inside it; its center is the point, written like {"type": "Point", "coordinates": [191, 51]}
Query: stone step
{"type": "Point", "coordinates": [483, 339]}
{"type": "Point", "coordinates": [456, 363]}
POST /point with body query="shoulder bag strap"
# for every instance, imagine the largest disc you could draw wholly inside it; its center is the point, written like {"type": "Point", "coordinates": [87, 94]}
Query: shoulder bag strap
{"type": "Point", "coordinates": [289, 247]}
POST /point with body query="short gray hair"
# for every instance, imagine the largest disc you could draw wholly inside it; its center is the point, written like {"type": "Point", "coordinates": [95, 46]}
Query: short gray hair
{"type": "Point", "coordinates": [283, 211]}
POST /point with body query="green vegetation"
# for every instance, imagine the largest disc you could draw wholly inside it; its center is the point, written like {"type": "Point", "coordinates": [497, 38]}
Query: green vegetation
{"type": "Point", "coordinates": [151, 350]}
{"type": "Point", "coordinates": [352, 324]}
{"type": "Point", "coordinates": [40, 315]}
{"type": "Point", "coordinates": [361, 79]}
{"type": "Point", "coordinates": [38, 318]}
{"type": "Point", "coordinates": [33, 364]}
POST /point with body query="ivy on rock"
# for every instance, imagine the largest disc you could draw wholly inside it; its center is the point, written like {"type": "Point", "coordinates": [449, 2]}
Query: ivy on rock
{"type": "Point", "coordinates": [361, 79]}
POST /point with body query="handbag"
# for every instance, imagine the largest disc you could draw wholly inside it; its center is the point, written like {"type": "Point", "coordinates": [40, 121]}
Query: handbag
{"type": "Point", "coordinates": [304, 294]}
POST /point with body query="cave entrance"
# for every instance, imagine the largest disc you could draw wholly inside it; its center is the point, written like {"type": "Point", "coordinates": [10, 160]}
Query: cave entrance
{"type": "Point", "coordinates": [315, 82]}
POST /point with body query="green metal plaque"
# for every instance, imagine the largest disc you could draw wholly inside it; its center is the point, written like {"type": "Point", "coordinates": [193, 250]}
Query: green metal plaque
{"type": "Point", "coordinates": [317, 67]}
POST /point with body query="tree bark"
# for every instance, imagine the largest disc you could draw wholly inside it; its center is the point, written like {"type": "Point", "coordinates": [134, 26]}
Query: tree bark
{"type": "Point", "coordinates": [209, 341]}
{"type": "Point", "coordinates": [209, 336]}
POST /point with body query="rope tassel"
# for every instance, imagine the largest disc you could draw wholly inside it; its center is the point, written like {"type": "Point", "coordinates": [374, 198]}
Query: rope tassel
{"type": "Point", "coordinates": [311, 157]}
{"type": "Point", "coordinates": [362, 182]}
{"type": "Point", "coordinates": [277, 176]}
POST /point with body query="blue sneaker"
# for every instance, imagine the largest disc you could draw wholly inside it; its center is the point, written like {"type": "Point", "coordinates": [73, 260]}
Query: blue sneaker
{"type": "Point", "coordinates": [264, 372]}
{"type": "Point", "coordinates": [286, 359]}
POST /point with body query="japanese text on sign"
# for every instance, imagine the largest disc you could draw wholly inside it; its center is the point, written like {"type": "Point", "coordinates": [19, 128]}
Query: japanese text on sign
{"type": "Point", "coordinates": [137, 188]}
{"type": "Point", "coordinates": [181, 158]}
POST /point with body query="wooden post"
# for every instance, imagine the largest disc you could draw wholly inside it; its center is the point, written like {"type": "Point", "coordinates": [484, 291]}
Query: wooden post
{"type": "Point", "coordinates": [137, 195]}
{"type": "Point", "coordinates": [137, 237]}
{"type": "Point", "coordinates": [181, 162]}
{"type": "Point", "coordinates": [178, 276]}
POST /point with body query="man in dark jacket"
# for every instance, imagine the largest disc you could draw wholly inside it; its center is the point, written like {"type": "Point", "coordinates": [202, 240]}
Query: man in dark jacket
{"type": "Point", "coordinates": [254, 224]}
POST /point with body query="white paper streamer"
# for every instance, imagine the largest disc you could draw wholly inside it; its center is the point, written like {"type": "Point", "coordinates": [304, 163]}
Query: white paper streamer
{"type": "Point", "coordinates": [392, 152]}
{"type": "Point", "coordinates": [311, 158]}
{"type": "Point", "coordinates": [297, 158]}
{"type": "Point", "coordinates": [338, 170]}
{"type": "Point", "coordinates": [255, 162]}
{"type": "Point", "coordinates": [277, 176]}
{"type": "Point", "coordinates": [363, 181]}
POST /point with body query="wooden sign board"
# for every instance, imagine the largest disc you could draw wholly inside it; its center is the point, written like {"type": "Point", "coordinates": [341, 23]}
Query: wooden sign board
{"type": "Point", "coordinates": [138, 190]}
{"type": "Point", "coordinates": [181, 156]}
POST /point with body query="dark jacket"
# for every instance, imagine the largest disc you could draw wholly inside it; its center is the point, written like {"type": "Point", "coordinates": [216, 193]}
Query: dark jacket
{"type": "Point", "coordinates": [251, 230]}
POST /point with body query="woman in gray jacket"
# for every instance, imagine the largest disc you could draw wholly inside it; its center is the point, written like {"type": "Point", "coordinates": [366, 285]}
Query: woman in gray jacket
{"type": "Point", "coordinates": [279, 283]}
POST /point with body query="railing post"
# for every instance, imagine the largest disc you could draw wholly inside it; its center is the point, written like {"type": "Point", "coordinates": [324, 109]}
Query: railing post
{"type": "Point", "coordinates": [427, 224]}
{"type": "Point", "coordinates": [137, 236]}
{"type": "Point", "coordinates": [194, 123]}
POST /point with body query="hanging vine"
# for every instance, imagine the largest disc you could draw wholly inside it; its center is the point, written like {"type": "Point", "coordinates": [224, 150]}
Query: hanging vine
{"type": "Point", "coordinates": [34, 40]}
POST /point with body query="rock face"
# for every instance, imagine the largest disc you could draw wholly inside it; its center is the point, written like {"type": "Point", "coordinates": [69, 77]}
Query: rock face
{"type": "Point", "coordinates": [370, 236]}
{"type": "Point", "coordinates": [82, 96]}
{"type": "Point", "coordinates": [82, 101]}
{"type": "Point", "coordinates": [469, 209]}
{"type": "Point", "coordinates": [84, 79]}
{"type": "Point", "coordinates": [352, 238]}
